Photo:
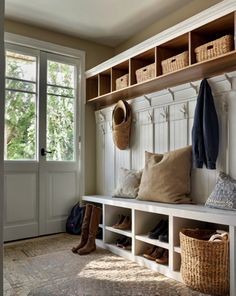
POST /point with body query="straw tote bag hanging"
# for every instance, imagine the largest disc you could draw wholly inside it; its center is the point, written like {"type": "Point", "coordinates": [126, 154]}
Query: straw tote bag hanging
{"type": "Point", "coordinates": [121, 124]}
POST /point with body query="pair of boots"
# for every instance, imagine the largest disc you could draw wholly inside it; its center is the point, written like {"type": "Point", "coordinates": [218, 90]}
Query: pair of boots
{"type": "Point", "coordinates": [89, 230]}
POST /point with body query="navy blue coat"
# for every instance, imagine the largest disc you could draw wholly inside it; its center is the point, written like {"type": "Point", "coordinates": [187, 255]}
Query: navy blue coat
{"type": "Point", "coordinates": [205, 132]}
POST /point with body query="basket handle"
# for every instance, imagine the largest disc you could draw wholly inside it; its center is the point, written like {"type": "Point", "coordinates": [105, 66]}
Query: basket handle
{"type": "Point", "coordinates": [209, 47]}
{"type": "Point", "coordinates": [145, 69]}
{"type": "Point", "coordinates": [172, 61]}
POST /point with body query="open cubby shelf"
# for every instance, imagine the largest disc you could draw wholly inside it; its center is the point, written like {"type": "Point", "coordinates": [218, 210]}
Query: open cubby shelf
{"type": "Point", "coordinates": [101, 88]}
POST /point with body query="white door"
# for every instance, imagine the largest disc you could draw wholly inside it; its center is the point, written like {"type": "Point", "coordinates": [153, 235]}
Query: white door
{"type": "Point", "coordinates": [58, 141]}
{"type": "Point", "coordinates": [41, 113]}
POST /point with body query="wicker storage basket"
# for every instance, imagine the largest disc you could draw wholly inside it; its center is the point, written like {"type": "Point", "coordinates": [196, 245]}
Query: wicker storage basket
{"type": "Point", "coordinates": [122, 81]}
{"type": "Point", "coordinates": [204, 264]}
{"type": "Point", "coordinates": [145, 73]}
{"type": "Point", "coordinates": [214, 48]}
{"type": "Point", "coordinates": [175, 63]}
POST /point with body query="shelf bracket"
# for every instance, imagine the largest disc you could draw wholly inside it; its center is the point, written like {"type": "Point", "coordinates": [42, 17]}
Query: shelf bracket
{"type": "Point", "coordinates": [194, 87]}
{"type": "Point", "coordinates": [228, 79]}
{"type": "Point", "coordinates": [148, 100]}
{"type": "Point", "coordinates": [171, 93]}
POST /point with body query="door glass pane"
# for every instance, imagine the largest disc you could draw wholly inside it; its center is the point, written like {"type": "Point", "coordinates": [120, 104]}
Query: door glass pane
{"type": "Point", "coordinates": [20, 107]}
{"type": "Point", "coordinates": [60, 111]}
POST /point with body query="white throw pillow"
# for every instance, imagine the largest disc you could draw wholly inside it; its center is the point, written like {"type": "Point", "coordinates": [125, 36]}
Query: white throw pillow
{"type": "Point", "coordinates": [128, 183]}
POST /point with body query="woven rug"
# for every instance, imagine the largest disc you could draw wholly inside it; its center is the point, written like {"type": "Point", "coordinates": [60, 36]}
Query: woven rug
{"type": "Point", "coordinates": [46, 266]}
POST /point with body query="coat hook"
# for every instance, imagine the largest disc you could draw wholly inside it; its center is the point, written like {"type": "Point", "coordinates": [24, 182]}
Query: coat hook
{"type": "Point", "coordinates": [171, 93]}
{"type": "Point", "coordinates": [150, 116]}
{"type": "Point", "coordinates": [164, 113]}
{"type": "Point", "coordinates": [183, 109]}
{"type": "Point", "coordinates": [102, 116]}
{"type": "Point", "coordinates": [194, 87]}
{"type": "Point", "coordinates": [228, 79]}
{"type": "Point", "coordinates": [102, 129]}
{"type": "Point", "coordinates": [148, 100]}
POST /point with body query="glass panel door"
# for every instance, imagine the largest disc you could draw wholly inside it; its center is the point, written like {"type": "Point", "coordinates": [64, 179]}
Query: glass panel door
{"type": "Point", "coordinates": [60, 111]}
{"type": "Point", "coordinates": [20, 106]}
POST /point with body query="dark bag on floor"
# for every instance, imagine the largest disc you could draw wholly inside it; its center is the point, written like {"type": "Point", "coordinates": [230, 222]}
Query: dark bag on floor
{"type": "Point", "coordinates": [75, 219]}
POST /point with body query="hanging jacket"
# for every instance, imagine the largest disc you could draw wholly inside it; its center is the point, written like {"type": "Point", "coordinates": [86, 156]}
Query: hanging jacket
{"type": "Point", "coordinates": [205, 132]}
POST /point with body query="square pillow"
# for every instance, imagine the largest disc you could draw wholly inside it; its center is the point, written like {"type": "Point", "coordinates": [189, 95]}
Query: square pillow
{"type": "Point", "coordinates": [224, 194]}
{"type": "Point", "coordinates": [128, 183]}
{"type": "Point", "coordinates": [166, 177]}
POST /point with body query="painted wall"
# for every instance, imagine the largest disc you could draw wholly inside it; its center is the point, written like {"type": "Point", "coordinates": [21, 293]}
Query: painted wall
{"type": "Point", "coordinates": [2, 83]}
{"type": "Point", "coordinates": [166, 125]}
{"type": "Point", "coordinates": [194, 7]}
{"type": "Point", "coordinates": [95, 53]}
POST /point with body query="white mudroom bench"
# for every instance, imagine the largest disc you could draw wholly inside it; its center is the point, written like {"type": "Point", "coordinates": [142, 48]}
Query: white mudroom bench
{"type": "Point", "coordinates": [145, 216]}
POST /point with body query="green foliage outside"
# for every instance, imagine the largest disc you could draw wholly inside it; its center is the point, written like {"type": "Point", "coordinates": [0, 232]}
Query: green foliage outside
{"type": "Point", "coordinates": [21, 113]}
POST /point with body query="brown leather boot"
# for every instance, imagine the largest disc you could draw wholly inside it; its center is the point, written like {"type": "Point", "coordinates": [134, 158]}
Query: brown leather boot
{"type": "Point", "coordinates": [93, 227]}
{"type": "Point", "coordinates": [85, 228]}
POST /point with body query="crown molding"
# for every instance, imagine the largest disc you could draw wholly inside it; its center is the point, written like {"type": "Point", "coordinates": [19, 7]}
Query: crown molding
{"type": "Point", "coordinates": [194, 22]}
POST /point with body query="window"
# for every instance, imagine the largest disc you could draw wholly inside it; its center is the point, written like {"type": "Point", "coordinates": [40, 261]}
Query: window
{"type": "Point", "coordinates": [20, 106]}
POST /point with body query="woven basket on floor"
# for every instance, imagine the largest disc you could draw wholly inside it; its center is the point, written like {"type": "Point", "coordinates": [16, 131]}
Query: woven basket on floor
{"type": "Point", "coordinates": [175, 63]}
{"type": "Point", "coordinates": [204, 264]}
{"type": "Point", "coordinates": [145, 73]}
{"type": "Point", "coordinates": [214, 48]}
{"type": "Point", "coordinates": [122, 81]}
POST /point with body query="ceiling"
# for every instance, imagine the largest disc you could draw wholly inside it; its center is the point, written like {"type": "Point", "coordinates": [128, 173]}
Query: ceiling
{"type": "Point", "coordinates": [108, 22]}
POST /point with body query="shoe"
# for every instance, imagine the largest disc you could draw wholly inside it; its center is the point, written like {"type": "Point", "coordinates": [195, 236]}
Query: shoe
{"type": "Point", "coordinates": [99, 234]}
{"type": "Point", "coordinates": [127, 244]}
{"type": "Point", "coordinates": [120, 242]}
{"type": "Point", "coordinates": [93, 228]}
{"type": "Point", "coordinates": [163, 259]}
{"type": "Point", "coordinates": [156, 227]}
{"type": "Point", "coordinates": [125, 225]}
{"type": "Point", "coordinates": [85, 228]}
{"type": "Point", "coordinates": [149, 251]}
{"type": "Point", "coordinates": [164, 237]}
{"type": "Point", "coordinates": [157, 253]}
{"type": "Point", "coordinates": [121, 219]}
{"type": "Point", "coordinates": [162, 229]}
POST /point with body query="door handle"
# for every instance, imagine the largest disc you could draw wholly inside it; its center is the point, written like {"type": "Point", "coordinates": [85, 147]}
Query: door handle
{"type": "Point", "coordinates": [44, 152]}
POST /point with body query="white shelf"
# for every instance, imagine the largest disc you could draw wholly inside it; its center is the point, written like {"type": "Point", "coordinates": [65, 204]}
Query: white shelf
{"type": "Point", "coordinates": [100, 225]}
{"type": "Point", "coordinates": [119, 231]}
{"type": "Point", "coordinates": [119, 251]}
{"type": "Point", "coordinates": [164, 269]}
{"type": "Point", "coordinates": [155, 242]}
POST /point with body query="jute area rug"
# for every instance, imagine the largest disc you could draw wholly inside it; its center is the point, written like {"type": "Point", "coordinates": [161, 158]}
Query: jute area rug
{"type": "Point", "coordinates": [47, 267]}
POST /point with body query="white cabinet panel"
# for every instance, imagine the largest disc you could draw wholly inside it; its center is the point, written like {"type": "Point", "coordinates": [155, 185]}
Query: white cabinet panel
{"type": "Point", "coordinates": [20, 198]}
{"type": "Point", "coordinates": [161, 130]}
{"type": "Point", "coordinates": [109, 160]}
{"type": "Point", "coordinates": [100, 148]}
{"type": "Point", "coordinates": [178, 126]}
{"type": "Point", "coordinates": [62, 193]}
{"type": "Point", "coordinates": [142, 139]}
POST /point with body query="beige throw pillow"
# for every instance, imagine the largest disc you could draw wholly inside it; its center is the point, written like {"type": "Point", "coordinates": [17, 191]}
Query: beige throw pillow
{"type": "Point", "coordinates": [166, 177]}
{"type": "Point", "coordinates": [128, 183]}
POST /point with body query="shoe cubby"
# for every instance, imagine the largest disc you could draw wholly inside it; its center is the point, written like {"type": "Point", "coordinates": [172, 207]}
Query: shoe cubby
{"type": "Point", "coordinates": [111, 238]}
{"type": "Point", "coordinates": [145, 222]}
{"type": "Point", "coordinates": [119, 71]}
{"type": "Point", "coordinates": [180, 223]}
{"type": "Point", "coordinates": [104, 82]}
{"type": "Point", "coordinates": [142, 60]}
{"type": "Point", "coordinates": [211, 31]}
{"type": "Point", "coordinates": [113, 216]}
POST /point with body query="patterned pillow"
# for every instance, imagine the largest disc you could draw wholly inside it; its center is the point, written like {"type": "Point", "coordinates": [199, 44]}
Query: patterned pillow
{"type": "Point", "coordinates": [224, 193]}
{"type": "Point", "coordinates": [128, 183]}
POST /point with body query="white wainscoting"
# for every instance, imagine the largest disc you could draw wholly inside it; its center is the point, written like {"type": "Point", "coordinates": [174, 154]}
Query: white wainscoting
{"type": "Point", "coordinates": [162, 122]}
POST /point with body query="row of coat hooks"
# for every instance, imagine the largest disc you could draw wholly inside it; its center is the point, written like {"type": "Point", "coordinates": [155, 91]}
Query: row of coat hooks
{"type": "Point", "coordinates": [192, 85]}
